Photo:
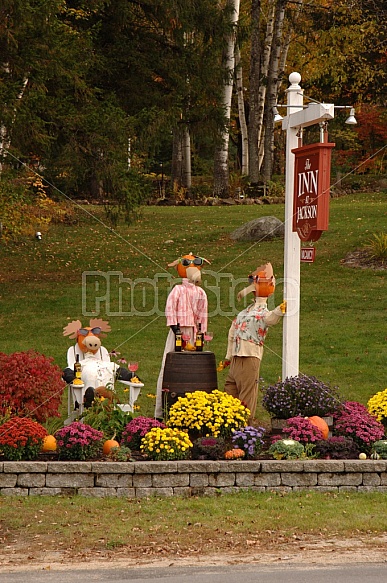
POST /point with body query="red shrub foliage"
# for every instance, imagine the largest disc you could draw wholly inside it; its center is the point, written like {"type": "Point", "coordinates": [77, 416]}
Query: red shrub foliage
{"type": "Point", "coordinates": [21, 439]}
{"type": "Point", "coordinates": [30, 385]}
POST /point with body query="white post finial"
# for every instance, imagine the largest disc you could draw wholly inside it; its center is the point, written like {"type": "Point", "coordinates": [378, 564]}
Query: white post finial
{"type": "Point", "coordinates": [294, 79]}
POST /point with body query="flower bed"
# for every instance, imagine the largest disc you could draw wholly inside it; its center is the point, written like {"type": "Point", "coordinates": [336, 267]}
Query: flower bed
{"type": "Point", "coordinates": [212, 426]}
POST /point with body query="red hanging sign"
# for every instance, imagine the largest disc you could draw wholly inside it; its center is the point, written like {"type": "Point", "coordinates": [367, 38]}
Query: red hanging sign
{"type": "Point", "coordinates": [308, 254]}
{"type": "Point", "coordinates": [312, 174]}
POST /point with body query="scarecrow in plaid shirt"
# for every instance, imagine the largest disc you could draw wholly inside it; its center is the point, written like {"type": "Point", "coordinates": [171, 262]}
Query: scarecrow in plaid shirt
{"type": "Point", "coordinates": [187, 306]}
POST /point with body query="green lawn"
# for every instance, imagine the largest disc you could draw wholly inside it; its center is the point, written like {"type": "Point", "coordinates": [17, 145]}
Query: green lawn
{"type": "Point", "coordinates": [179, 527]}
{"type": "Point", "coordinates": [343, 310]}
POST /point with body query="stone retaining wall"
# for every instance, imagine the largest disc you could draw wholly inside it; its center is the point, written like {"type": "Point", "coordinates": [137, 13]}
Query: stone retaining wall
{"type": "Point", "coordinates": [188, 478]}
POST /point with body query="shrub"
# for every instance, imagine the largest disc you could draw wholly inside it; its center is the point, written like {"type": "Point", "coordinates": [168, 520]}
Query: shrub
{"type": "Point", "coordinates": [208, 414]}
{"type": "Point", "coordinates": [377, 406]}
{"type": "Point", "coordinates": [25, 204]}
{"type": "Point", "coordinates": [287, 449]}
{"type": "Point", "coordinates": [136, 429]}
{"type": "Point", "coordinates": [337, 448]}
{"type": "Point", "coordinates": [300, 396]}
{"type": "Point", "coordinates": [250, 440]}
{"type": "Point", "coordinates": [234, 454]}
{"type": "Point", "coordinates": [120, 454]}
{"type": "Point", "coordinates": [301, 429]}
{"type": "Point", "coordinates": [209, 448]}
{"type": "Point", "coordinates": [79, 441]}
{"type": "Point", "coordinates": [21, 438]}
{"type": "Point", "coordinates": [380, 448]}
{"type": "Point", "coordinates": [377, 246]}
{"type": "Point", "coordinates": [30, 385]}
{"type": "Point", "coordinates": [355, 421]}
{"type": "Point", "coordinates": [166, 444]}
{"type": "Point", "coordinates": [106, 417]}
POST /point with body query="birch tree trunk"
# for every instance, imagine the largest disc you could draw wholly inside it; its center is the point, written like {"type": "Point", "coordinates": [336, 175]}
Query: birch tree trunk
{"type": "Point", "coordinates": [177, 160]}
{"type": "Point", "coordinates": [255, 57]}
{"type": "Point", "coordinates": [272, 89]}
{"type": "Point", "coordinates": [5, 137]}
{"type": "Point", "coordinates": [221, 170]}
{"type": "Point", "coordinates": [241, 114]}
{"type": "Point", "coordinates": [186, 167]}
{"type": "Point", "coordinates": [263, 80]}
{"type": "Point", "coordinates": [287, 36]}
{"type": "Point", "coordinates": [181, 176]}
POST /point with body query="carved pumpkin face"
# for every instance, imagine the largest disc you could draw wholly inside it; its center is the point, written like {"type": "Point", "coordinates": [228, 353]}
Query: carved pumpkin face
{"type": "Point", "coordinates": [264, 286]}
{"type": "Point", "coordinates": [189, 266]}
{"type": "Point", "coordinates": [262, 282]}
{"type": "Point", "coordinates": [189, 261]}
{"type": "Point", "coordinates": [88, 339]}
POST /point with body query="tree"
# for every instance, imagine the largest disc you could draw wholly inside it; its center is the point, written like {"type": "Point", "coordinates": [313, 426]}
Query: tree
{"type": "Point", "coordinates": [273, 82]}
{"type": "Point", "coordinates": [241, 114]}
{"type": "Point", "coordinates": [254, 94]}
{"type": "Point", "coordinates": [341, 50]}
{"type": "Point", "coordinates": [221, 171]}
{"type": "Point", "coordinates": [269, 44]}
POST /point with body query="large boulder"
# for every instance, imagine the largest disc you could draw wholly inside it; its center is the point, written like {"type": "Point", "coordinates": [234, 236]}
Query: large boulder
{"type": "Point", "coordinates": [265, 228]}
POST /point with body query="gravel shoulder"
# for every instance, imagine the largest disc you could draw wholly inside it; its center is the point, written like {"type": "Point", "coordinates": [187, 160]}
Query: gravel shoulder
{"type": "Point", "coordinates": [314, 551]}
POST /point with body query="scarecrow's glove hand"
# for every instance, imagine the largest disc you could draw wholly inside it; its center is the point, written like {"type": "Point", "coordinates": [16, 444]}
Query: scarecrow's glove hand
{"type": "Point", "coordinates": [68, 375]}
{"type": "Point", "coordinates": [222, 365]}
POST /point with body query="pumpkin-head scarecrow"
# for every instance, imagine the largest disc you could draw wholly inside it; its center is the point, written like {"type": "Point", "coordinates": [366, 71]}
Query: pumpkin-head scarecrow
{"type": "Point", "coordinates": [187, 306]}
{"type": "Point", "coordinates": [247, 336]}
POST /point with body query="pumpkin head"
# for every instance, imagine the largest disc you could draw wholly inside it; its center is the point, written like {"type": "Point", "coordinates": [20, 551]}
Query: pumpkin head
{"type": "Point", "coordinates": [264, 286]}
{"type": "Point", "coordinates": [88, 337]}
{"type": "Point", "coordinates": [262, 282]}
{"type": "Point", "coordinates": [320, 424]}
{"type": "Point", "coordinates": [189, 266]}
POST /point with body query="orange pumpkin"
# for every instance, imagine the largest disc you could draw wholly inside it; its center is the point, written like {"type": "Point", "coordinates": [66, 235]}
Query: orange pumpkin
{"type": "Point", "coordinates": [264, 286]}
{"type": "Point", "coordinates": [321, 424]}
{"type": "Point", "coordinates": [49, 443]}
{"type": "Point", "coordinates": [234, 454]}
{"type": "Point", "coordinates": [108, 446]}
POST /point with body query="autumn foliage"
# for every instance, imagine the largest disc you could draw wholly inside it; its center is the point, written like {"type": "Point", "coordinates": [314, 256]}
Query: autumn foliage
{"type": "Point", "coordinates": [21, 439]}
{"type": "Point", "coordinates": [30, 385]}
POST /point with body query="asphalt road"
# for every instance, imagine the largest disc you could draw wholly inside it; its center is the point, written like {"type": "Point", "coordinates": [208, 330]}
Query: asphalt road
{"type": "Point", "coordinates": [359, 573]}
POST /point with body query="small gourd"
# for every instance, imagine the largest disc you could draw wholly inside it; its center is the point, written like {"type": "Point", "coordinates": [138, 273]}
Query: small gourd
{"type": "Point", "coordinates": [234, 454]}
{"type": "Point", "coordinates": [320, 424]}
{"type": "Point", "coordinates": [49, 443]}
{"type": "Point", "coordinates": [108, 445]}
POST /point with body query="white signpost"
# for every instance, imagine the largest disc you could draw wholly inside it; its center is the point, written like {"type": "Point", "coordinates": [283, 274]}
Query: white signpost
{"type": "Point", "coordinates": [297, 118]}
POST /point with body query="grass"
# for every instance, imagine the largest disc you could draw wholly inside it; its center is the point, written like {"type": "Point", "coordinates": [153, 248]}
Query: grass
{"type": "Point", "coordinates": [341, 322]}
{"type": "Point", "coordinates": [186, 526]}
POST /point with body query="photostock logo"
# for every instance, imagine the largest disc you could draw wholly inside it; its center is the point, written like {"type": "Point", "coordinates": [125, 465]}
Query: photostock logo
{"type": "Point", "coordinates": [113, 294]}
